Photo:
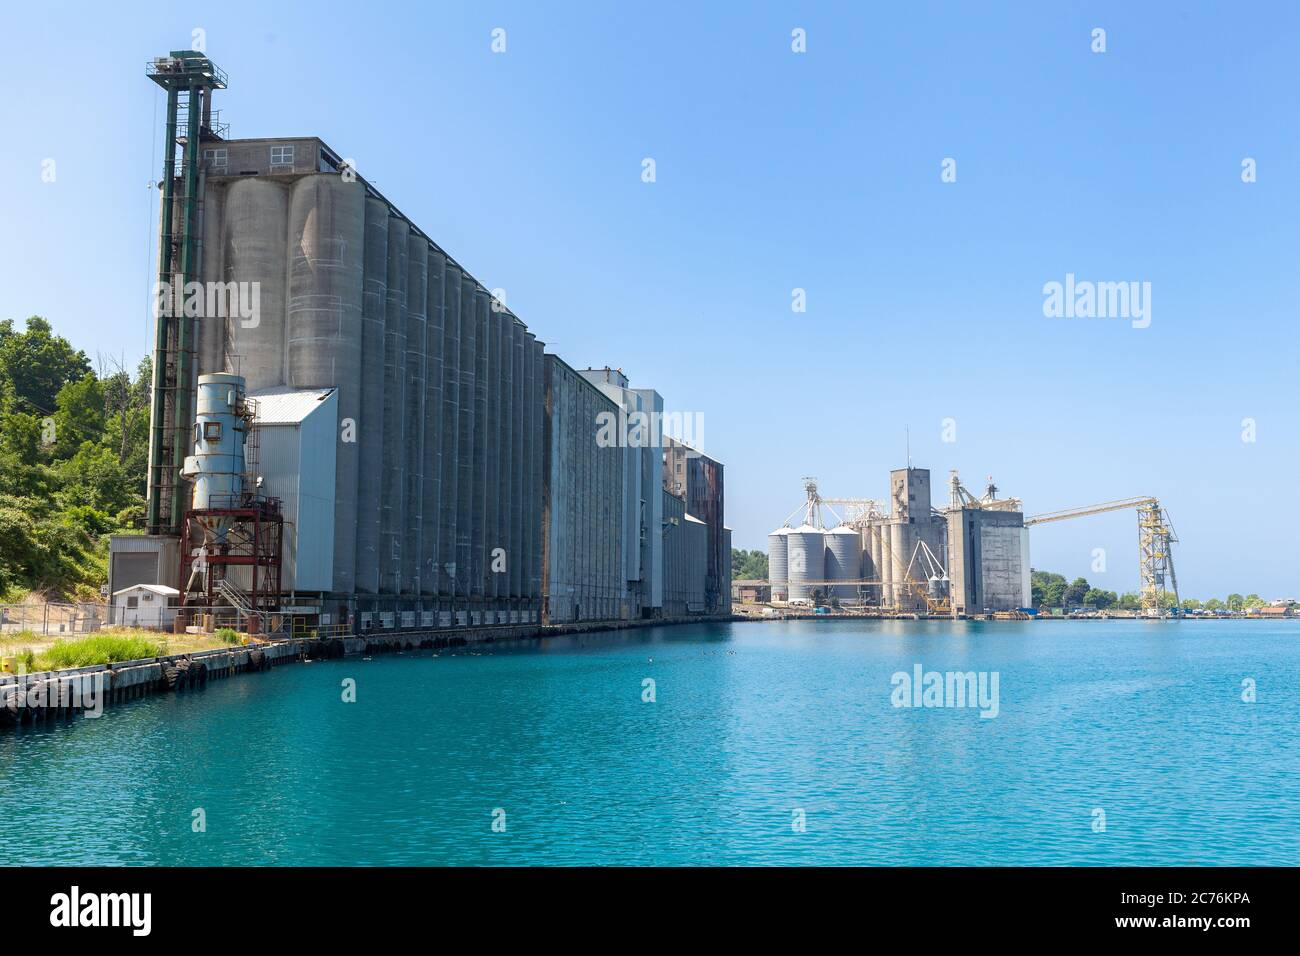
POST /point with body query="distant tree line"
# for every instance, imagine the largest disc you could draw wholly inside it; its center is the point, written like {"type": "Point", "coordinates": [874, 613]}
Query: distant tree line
{"type": "Point", "coordinates": [1054, 591]}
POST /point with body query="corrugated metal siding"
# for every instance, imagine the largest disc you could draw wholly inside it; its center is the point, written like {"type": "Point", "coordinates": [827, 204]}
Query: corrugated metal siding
{"type": "Point", "coordinates": [144, 559]}
{"type": "Point", "coordinates": [297, 464]}
{"type": "Point", "coordinates": [315, 524]}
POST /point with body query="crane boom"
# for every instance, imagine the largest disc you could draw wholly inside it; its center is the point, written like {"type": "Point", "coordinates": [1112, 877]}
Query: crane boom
{"type": "Point", "coordinates": [1156, 538]}
{"type": "Point", "coordinates": [1121, 505]}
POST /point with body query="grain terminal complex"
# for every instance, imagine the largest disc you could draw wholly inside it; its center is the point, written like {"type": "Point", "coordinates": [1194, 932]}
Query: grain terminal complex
{"type": "Point", "coordinates": [380, 443]}
{"type": "Point", "coordinates": [910, 557]}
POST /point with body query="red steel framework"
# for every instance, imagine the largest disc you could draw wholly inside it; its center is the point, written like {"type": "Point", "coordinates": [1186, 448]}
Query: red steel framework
{"type": "Point", "coordinates": [254, 539]}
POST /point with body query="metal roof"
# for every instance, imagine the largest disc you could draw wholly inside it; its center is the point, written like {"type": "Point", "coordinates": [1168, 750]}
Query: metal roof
{"type": "Point", "coordinates": [156, 588]}
{"type": "Point", "coordinates": [287, 406]}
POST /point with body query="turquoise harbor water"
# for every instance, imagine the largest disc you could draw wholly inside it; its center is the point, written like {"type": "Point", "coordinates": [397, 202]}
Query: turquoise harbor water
{"type": "Point", "coordinates": [751, 723]}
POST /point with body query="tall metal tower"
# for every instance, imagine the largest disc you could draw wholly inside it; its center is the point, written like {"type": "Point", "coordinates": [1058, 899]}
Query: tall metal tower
{"type": "Point", "coordinates": [1155, 547]}
{"type": "Point", "coordinates": [1155, 537]}
{"type": "Point", "coordinates": [171, 415]}
{"type": "Point", "coordinates": [813, 506]}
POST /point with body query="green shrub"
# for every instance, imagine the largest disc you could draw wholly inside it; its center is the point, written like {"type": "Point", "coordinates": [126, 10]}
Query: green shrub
{"type": "Point", "coordinates": [228, 634]}
{"type": "Point", "coordinates": [98, 649]}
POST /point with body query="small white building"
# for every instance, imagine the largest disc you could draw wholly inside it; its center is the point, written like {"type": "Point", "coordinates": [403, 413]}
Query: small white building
{"type": "Point", "coordinates": [146, 605]}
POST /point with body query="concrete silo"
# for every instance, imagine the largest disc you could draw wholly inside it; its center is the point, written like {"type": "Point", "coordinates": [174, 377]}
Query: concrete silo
{"type": "Point", "coordinates": [449, 467]}
{"type": "Point", "coordinates": [806, 561]}
{"type": "Point", "coordinates": [417, 310]}
{"type": "Point", "coordinates": [392, 520]}
{"type": "Point", "coordinates": [871, 559]}
{"type": "Point", "coordinates": [370, 426]}
{"type": "Point", "coordinates": [482, 439]}
{"type": "Point", "coordinates": [326, 237]}
{"type": "Point", "coordinates": [778, 543]}
{"type": "Point", "coordinates": [430, 518]}
{"type": "Point", "coordinates": [255, 231]}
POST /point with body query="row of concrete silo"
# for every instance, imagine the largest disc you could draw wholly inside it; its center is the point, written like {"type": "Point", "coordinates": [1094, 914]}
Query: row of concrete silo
{"type": "Point", "coordinates": [439, 392]}
{"type": "Point", "coordinates": [807, 559]}
{"type": "Point", "coordinates": [894, 559]}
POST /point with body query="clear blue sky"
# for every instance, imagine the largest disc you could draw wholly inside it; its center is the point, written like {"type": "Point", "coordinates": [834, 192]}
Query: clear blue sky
{"type": "Point", "coordinates": [776, 171]}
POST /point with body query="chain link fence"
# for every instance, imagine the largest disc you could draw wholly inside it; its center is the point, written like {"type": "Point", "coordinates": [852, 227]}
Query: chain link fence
{"type": "Point", "coordinates": [54, 620]}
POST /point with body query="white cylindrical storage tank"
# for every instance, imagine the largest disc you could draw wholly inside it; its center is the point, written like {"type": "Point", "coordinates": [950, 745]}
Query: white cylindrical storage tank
{"type": "Point", "coordinates": [805, 561]}
{"type": "Point", "coordinates": [843, 561]}
{"type": "Point", "coordinates": [216, 465]}
{"type": "Point", "coordinates": [777, 568]}
{"type": "Point", "coordinates": [255, 236]}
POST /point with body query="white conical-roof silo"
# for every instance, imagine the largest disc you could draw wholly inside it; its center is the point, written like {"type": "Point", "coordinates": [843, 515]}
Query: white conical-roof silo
{"type": "Point", "coordinates": [843, 561]}
{"type": "Point", "coordinates": [777, 566]}
{"type": "Point", "coordinates": [806, 561]}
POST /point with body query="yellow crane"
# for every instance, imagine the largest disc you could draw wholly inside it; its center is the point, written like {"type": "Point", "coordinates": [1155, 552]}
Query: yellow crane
{"type": "Point", "coordinates": [1155, 540]}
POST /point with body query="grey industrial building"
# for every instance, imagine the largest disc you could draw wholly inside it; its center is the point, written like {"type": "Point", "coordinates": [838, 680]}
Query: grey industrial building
{"type": "Point", "coordinates": [433, 466]}
{"type": "Point", "coordinates": [698, 479]}
{"type": "Point", "coordinates": [988, 560]}
{"type": "Point", "coordinates": [582, 502]}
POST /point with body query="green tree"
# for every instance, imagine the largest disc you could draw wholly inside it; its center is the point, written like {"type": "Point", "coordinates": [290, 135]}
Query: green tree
{"type": "Point", "coordinates": [1214, 604]}
{"type": "Point", "coordinates": [1047, 589]}
{"type": "Point", "coordinates": [38, 363]}
{"type": "Point", "coordinates": [748, 565]}
{"type": "Point", "coordinates": [20, 437]}
{"type": "Point", "coordinates": [1096, 597]}
{"type": "Point", "coordinates": [79, 415]}
{"type": "Point", "coordinates": [1074, 594]}
{"type": "Point", "coordinates": [1236, 602]}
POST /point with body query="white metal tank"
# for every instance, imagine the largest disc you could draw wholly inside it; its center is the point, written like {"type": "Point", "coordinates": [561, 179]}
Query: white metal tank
{"type": "Point", "coordinates": [805, 561]}
{"type": "Point", "coordinates": [777, 567]}
{"type": "Point", "coordinates": [843, 561]}
{"type": "Point", "coordinates": [217, 465]}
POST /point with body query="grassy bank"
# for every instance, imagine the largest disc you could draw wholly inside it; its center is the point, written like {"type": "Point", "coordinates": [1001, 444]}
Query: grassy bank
{"type": "Point", "coordinates": [30, 655]}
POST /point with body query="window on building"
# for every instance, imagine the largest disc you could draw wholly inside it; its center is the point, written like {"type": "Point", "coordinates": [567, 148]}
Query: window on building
{"type": "Point", "coordinates": [217, 158]}
{"type": "Point", "coordinates": [212, 431]}
{"type": "Point", "coordinates": [133, 602]}
{"type": "Point", "coordinates": [281, 155]}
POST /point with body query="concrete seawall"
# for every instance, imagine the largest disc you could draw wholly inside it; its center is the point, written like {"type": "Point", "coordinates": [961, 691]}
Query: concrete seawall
{"type": "Point", "coordinates": [49, 695]}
